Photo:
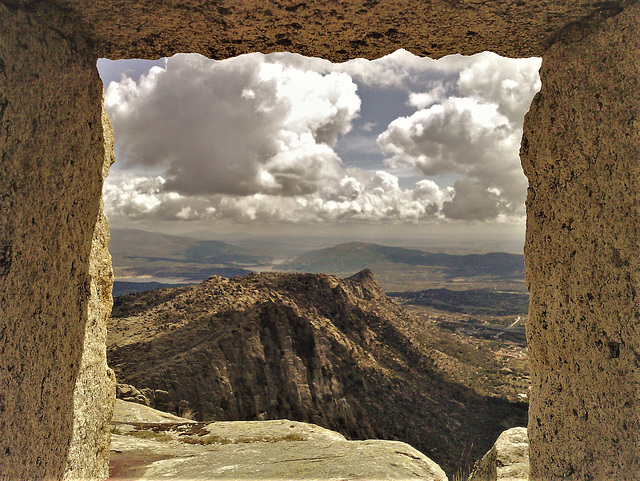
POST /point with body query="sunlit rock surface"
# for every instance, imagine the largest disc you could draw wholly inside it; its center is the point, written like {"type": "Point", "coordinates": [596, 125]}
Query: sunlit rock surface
{"type": "Point", "coordinates": [508, 459]}
{"type": "Point", "coordinates": [149, 444]}
{"type": "Point", "coordinates": [95, 385]}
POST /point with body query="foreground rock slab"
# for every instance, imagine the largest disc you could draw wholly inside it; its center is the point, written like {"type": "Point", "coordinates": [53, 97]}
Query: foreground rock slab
{"type": "Point", "coordinates": [148, 444]}
{"type": "Point", "coordinates": [508, 460]}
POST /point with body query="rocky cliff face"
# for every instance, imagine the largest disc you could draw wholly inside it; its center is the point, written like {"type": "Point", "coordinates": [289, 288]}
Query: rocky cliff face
{"type": "Point", "coordinates": [54, 277]}
{"type": "Point", "coordinates": [314, 348]}
{"type": "Point", "coordinates": [94, 386]}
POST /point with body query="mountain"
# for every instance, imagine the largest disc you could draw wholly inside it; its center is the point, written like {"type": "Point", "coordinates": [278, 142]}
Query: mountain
{"type": "Point", "coordinates": [405, 269]}
{"type": "Point", "coordinates": [140, 253]}
{"type": "Point", "coordinates": [274, 246]}
{"type": "Point", "coordinates": [313, 348]}
{"type": "Point", "coordinates": [135, 244]}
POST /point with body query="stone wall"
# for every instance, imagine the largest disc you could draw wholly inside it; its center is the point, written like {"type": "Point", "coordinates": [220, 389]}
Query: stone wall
{"type": "Point", "coordinates": [51, 144]}
{"type": "Point", "coordinates": [580, 152]}
{"type": "Point", "coordinates": [336, 29]}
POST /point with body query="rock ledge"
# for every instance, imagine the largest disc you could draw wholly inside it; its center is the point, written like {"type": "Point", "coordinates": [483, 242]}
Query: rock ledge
{"type": "Point", "coordinates": [149, 444]}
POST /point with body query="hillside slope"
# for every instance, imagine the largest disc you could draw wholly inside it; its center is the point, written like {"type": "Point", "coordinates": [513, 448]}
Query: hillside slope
{"type": "Point", "coordinates": [314, 348]}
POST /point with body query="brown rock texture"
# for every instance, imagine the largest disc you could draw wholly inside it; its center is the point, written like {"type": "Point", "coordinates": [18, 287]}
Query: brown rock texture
{"type": "Point", "coordinates": [93, 396]}
{"type": "Point", "coordinates": [336, 30]}
{"type": "Point", "coordinates": [580, 151]}
{"type": "Point", "coordinates": [52, 151]}
{"type": "Point", "coordinates": [308, 347]}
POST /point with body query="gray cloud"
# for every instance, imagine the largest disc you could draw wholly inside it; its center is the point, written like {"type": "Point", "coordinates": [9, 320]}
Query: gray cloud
{"type": "Point", "coordinates": [473, 136]}
{"type": "Point", "coordinates": [237, 127]}
{"type": "Point", "coordinates": [253, 139]}
{"type": "Point", "coordinates": [472, 201]}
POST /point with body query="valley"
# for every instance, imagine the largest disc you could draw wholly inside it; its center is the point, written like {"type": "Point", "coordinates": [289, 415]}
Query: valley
{"type": "Point", "coordinates": [485, 353]}
{"type": "Point", "coordinates": [316, 348]}
{"type": "Point", "coordinates": [371, 341]}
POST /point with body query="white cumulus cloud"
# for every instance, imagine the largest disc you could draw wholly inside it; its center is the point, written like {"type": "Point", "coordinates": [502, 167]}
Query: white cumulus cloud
{"type": "Point", "coordinates": [253, 139]}
{"type": "Point", "coordinates": [473, 137]}
{"type": "Point", "coordinates": [241, 126]}
{"type": "Point", "coordinates": [365, 199]}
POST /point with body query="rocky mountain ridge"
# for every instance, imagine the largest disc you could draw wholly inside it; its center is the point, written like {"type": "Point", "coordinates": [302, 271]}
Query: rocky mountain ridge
{"type": "Point", "coordinates": [313, 348]}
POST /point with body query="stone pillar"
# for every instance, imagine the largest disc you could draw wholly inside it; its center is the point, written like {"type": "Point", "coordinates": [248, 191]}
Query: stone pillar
{"type": "Point", "coordinates": [52, 153]}
{"type": "Point", "coordinates": [581, 153]}
{"type": "Point", "coordinates": [94, 394]}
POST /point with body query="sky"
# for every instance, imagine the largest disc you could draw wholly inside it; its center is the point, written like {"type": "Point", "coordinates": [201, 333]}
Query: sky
{"type": "Point", "coordinates": [282, 144]}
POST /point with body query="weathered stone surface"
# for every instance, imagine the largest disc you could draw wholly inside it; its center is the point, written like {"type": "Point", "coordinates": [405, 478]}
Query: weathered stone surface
{"type": "Point", "coordinates": [154, 447]}
{"type": "Point", "coordinates": [581, 153]}
{"type": "Point", "coordinates": [93, 395]}
{"type": "Point", "coordinates": [334, 30]}
{"type": "Point", "coordinates": [508, 459]}
{"type": "Point", "coordinates": [52, 156]}
{"type": "Point", "coordinates": [129, 412]}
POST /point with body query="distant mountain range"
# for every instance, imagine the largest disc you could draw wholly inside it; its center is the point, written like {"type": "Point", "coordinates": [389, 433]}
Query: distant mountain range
{"type": "Point", "coordinates": [315, 348]}
{"type": "Point", "coordinates": [122, 288]}
{"type": "Point", "coordinates": [140, 253]}
{"type": "Point", "coordinates": [473, 302]}
{"type": "Point", "coordinates": [404, 269]}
